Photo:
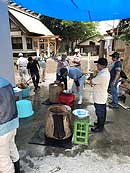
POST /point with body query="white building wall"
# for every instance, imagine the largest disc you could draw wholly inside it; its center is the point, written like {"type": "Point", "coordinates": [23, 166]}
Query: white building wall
{"type": "Point", "coordinates": [6, 56]}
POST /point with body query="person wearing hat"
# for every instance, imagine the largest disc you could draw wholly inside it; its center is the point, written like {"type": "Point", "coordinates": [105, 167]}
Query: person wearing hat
{"type": "Point", "coordinates": [76, 58]}
{"type": "Point", "coordinates": [42, 63]}
{"type": "Point", "coordinates": [9, 122]}
{"type": "Point", "coordinates": [78, 76]}
{"type": "Point", "coordinates": [115, 75]}
{"type": "Point", "coordinates": [100, 85]}
{"type": "Point", "coordinates": [61, 63]}
{"type": "Point", "coordinates": [22, 67]}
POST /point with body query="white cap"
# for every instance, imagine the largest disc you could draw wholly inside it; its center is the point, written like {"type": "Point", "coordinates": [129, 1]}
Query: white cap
{"type": "Point", "coordinates": [76, 50]}
{"type": "Point", "coordinates": [20, 54]}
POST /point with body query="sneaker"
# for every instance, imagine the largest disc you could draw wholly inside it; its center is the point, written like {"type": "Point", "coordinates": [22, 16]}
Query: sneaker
{"type": "Point", "coordinates": [79, 102]}
{"type": "Point", "coordinates": [95, 130]}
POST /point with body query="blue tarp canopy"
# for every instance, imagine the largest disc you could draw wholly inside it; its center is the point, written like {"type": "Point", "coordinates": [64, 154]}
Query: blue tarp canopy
{"type": "Point", "coordinates": [79, 10]}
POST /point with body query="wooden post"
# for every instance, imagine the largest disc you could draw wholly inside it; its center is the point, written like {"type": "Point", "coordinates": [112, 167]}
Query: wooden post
{"type": "Point", "coordinates": [38, 48]}
{"type": "Point", "coordinates": [101, 49]}
{"type": "Point", "coordinates": [89, 54]}
{"type": "Point", "coordinates": [55, 46]}
{"type": "Point", "coordinates": [48, 47]}
{"type": "Point", "coordinates": [24, 42]}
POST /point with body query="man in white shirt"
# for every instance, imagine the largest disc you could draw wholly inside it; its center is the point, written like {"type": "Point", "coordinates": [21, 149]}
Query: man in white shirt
{"type": "Point", "coordinates": [100, 86]}
{"type": "Point", "coordinates": [22, 67]}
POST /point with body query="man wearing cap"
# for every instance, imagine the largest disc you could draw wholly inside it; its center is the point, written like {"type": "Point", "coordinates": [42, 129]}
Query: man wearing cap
{"type": "Point", "coordinates": [78, 76]}
{"type": "Point", "coordinates": [100, 86]}
{"type": "Point", "coordinates": [42, 63]}
{"type": "Point", "coordinates": [115, 75]}
{"type": "Point", "coordinates": [9, 122]}
{"type": "Point", "coordinates": [61, 63]}
{"type": "Point", "coordinates": [76, 59]}
{"type": "Point", "coordinates": [22, 67]}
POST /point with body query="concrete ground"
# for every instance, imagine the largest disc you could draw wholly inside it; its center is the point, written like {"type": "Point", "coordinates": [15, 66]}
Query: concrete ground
{"type": "Point", "coordinates": [107, 152]}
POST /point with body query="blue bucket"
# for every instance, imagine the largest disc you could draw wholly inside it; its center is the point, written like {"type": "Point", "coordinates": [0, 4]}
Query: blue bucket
{"type": "Point", "coordinates": [24, 108]}
{"type": "Point", "coordinates": [26, 92]}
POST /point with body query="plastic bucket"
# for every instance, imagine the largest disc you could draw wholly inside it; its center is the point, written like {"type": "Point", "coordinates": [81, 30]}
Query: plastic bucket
{"type": "Point", "coordinates": [24, 108]}
{"type": "Point", "coordinates": [26, 92]}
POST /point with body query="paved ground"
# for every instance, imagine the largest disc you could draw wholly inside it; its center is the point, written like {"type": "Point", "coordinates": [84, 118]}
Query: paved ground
{"type": "Point", "coordinates": [107, 152]}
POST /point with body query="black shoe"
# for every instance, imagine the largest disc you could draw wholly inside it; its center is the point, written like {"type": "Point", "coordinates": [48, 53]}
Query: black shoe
{"type": "Point", "coordinates": [96, 129]}
{"type": "Point", "coordinates": [38, 87]}
{"type": "Point", "coordinates": [35, 89]}
{"type": "Point", "coordinates": [17, 166]}
{"type": "Point", "coordinates": [95, 124]}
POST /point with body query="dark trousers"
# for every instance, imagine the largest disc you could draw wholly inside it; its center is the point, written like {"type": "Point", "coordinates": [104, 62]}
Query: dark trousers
{"type": "Point", "coordinates": [100, 110]}
{"type": "Point", "coordinates": [35, 79]}
{"type": "Point", "coordinates": [62, 79]}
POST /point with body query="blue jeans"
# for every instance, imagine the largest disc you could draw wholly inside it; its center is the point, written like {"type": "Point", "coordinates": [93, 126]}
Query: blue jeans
{"type": "Point", "coordinates": [114, 93]}
{"type": "Point", "coordinates": [81, 82]}
{"type": "Point", "coordinates": [100, 110]}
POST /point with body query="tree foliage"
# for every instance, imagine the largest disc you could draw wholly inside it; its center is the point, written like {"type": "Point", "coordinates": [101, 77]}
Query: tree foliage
{"type": "Point", "coordinates": [70, 30]}
{"type": "Point", "coordinates": [124, 30]}
{"type": "Point", "coordinates": [78, 30]}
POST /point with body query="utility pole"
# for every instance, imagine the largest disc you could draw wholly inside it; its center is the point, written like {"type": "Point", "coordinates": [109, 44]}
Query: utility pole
{"type": "Point", "coordinates": [101, 49]}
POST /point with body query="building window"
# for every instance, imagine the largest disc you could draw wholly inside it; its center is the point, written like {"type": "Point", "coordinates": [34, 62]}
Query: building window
{"type": "Point", "coordinates": [29, 43]}
{"type": "Point", "coordinates": [17, 43]}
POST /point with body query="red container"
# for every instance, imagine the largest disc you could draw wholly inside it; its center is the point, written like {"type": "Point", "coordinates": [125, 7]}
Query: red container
{"type": "Point", "coordinates": [66, 99]}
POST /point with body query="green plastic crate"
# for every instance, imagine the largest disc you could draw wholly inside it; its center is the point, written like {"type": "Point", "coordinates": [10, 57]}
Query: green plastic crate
{"type": "Point", "coordinates": [81, 131]}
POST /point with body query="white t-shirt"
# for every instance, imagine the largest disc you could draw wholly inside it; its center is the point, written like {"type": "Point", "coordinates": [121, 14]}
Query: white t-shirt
{"type": "Point", "coordinates": [22, 62]}
{"type": "Point", "coordinates": [100, 87]}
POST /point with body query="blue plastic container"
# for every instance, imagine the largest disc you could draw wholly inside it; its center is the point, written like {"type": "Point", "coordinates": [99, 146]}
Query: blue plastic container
{"type": "Point", "coordinates": [81, 113]}
{"type": "Point", "coordinates": [24, 108]}
{"type": "Point", "coordinates": [26, 92]}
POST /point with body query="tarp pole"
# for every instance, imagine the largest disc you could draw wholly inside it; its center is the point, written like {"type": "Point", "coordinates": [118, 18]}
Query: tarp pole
{"type": "Point", "coordinates": [89, 55]}
{"type": "Point", "coordinates": [6, 54]}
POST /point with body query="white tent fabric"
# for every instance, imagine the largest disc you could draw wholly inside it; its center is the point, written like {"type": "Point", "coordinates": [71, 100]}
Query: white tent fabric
{"type": "Point", "coordinates": [79, 10]}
